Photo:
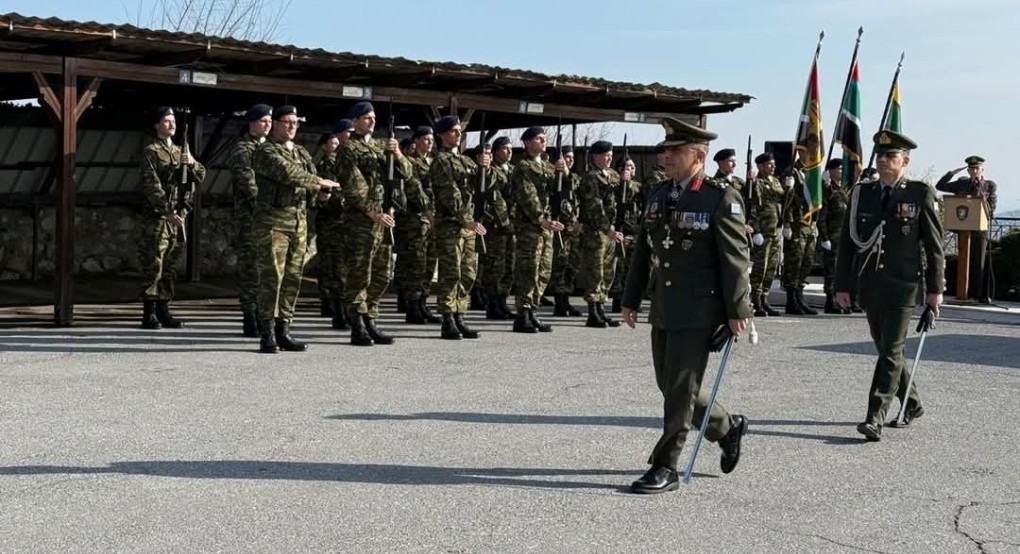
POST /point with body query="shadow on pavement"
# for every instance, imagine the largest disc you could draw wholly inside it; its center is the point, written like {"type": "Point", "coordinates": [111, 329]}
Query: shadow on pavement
{"type": "Point", "coordinates": [987, 350]}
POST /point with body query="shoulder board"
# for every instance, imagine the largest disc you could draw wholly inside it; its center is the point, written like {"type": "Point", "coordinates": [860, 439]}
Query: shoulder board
{"type": "Point", "coordinates": [717, 183]}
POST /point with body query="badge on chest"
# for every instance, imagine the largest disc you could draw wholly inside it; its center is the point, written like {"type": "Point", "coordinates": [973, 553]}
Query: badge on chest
{"type": "Point", "coordinates": [696, 221]}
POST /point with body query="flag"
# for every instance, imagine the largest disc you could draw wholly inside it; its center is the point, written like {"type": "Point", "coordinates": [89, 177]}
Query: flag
{"type": "Point", "coordinates": [809, 146]}
{"type": "Point", "coordinates": [894, 117]}
{"type": "Point", "coordinates": [848, 129]}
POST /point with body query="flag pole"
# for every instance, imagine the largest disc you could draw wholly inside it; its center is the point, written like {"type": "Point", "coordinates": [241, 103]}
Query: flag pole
{"type": "Point", "coordinates": [842, 101]}
{"type": "Point", "coordinates": [818, 51]}
{"type": "Point", "coordinates": [888, 104]}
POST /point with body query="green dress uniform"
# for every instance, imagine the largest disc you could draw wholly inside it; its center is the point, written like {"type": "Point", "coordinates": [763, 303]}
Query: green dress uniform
{"type": "Point", "coordinates": [979, 267]}
{"type": "Point", "coordinates": [693, 238]}
{"type": "Point", "coordinates": [891, 242]}
{"type": "Point", "coordinates": [245, 191]}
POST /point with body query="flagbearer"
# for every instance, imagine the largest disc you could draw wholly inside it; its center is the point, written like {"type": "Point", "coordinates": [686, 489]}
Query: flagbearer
{"type": "Point", "coordinates": [889, 226]}
{"type": "Point", "coordinates": [830, 222]}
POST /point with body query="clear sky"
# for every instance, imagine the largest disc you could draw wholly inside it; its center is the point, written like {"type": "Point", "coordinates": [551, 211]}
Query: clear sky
{"type": "Point", "coordinates": [959, 81]}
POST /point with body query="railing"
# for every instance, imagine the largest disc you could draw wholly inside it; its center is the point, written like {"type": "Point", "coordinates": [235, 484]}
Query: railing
{"type": "Point", "coordinates": [998, 227]}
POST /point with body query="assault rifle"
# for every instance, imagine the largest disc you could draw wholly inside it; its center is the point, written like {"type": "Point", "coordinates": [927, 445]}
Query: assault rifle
{"type": "Point", "coordinates": [556, 198]}
{"type": "Point", "coordinates": [480, 199]}
{"type": "Point", "coordinates": [621, 201]}
{"type": "Point", "coordinates": [392, 184]}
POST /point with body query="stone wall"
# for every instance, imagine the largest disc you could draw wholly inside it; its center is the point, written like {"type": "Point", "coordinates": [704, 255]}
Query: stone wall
{"type": "Point", "coordinates": [104, 242]}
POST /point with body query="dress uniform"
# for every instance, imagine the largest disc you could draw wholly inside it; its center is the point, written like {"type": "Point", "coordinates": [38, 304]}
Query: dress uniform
{"type": "Point", "coordinates": [693, 236]}
{"type": "Point", "coordinates": [891, 241]}
{"type": "Point", "coordinates": [975, 185]}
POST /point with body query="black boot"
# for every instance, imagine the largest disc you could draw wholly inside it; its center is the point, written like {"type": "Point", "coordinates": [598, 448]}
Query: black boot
{"type": "Point", "coordinates": [542, 327]}
{"type": "Point", "coordinates": [268, 343]}
{"type": "Point", "coordinates": [766, 307]}
{"type": "Point", "coordinates": [401, 302]}
{"type": "Point", "coordinates": [571, 310]}
{"type": "Point", "coordinates": [249, 324]}
{"type": "Point", "coordinates": [559, 306]}
{"type": "Point", "coordinates": [792, 306]}
{"type": "Point", "coordinates": [465, 331]}
{"type": "Point", "coordinates": [414, 315]}
{"type": "Point", "coordinates": [756, 305]}
{"type": "Point", "coordinates": [522, 323]}
{"type": "Point", "coordinates": [601, 311]}
{"type": "Point", "coordinates": [284, 339]}
{"type": "Point", "coordinates": [830, 305]}
{"type": "Point", "coordinates": [359, 335]}
{"type": "Point", "coordinates": [377, 336]}
{"type": "Point", "coordinates": [164, 317]}
{"type": "Point", "coordinates": [149, 320]}
{"type": "Point", "coordinates": [339, 321]}
{"type": "Point", "coordinates": [449, 330]}
{"type": "Point", "coordinates": [326, 308]}
{"type": "Point", "coordinates": [594, 320]}
{"type": "Point", "coordinates": [426, 312]}
{"type": "Point", "coordinates": [492, 310]}
{"type": "Point", "coordinates": [808, 310]}
{"type": "Point", "coordinates": [617, 306]}
{"type": "Point", "coordinates": [477, 299]}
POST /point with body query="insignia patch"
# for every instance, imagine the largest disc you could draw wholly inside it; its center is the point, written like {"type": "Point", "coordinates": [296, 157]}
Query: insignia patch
{"type": "Point", "coordinates": [735, 208]}
{"type": "Point", "coordinates": [905, 230]}
{"type": "Point", "coordinates": [686, 244]}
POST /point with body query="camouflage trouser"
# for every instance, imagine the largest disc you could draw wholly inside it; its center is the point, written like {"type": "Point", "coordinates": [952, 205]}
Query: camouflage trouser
{"type": "Point", "coordinates": [247, 270]}
{"type": "Point", "coordinates": [566, 259]}
{"type": "Point", "coordinates": [159, 252]}
{"type": "Point", "coordinates": [829, 265]}
{"type": "Point", "coordinates": [412, 274]}
{"type": "Point", "coordinates": [495, 274]}
{"type": "Point", "coordinates": [764, 264]}
{"type": "Point", "coordinates": [369, 267]}
{"type": "Point", "coordinates": [598, 265]}
{"type": "Point", "coordinates": [622, 266]}
{"type": "Point", "coordinates": [280, 257]}
{"type": "Point", "coordinates": [458, 264]}
{"type": "Point", "coordinates": [798, 257]}
{"type": "Point", "coordinates": [329, 241]}
{"type": "Point", "coordinates": [532, 265]}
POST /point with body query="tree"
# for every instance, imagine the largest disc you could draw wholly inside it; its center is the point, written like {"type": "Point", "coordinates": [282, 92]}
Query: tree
{"type": "Point", "coordinates": [254, 20]}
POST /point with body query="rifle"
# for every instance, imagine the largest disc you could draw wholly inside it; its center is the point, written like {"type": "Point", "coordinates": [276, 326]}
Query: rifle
{"type": "Point", "coordinates": [481, 192]}
{"type": "Point", "coordinates": [556, 198]}
{"type": "Point", "coordinates": [747, 166]}
{"type": "Point", "coordinates": [185, 190]}
{"type": "Point", "coordinates": [621, 201]}
{"type": "Point", "coordinates": [390, 186]}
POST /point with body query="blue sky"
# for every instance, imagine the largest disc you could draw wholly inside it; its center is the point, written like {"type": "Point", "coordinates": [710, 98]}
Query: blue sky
{"type": "Point", "coordinates": [958, 82]}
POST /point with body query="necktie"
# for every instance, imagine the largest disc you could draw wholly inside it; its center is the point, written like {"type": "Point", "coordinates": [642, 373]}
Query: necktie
{"type": "Point", "coordinates": [886, 195]}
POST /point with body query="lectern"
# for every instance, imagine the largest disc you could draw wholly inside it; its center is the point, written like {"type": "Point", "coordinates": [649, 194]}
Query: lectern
{"type": "Point", "coordinates": [964, 215]}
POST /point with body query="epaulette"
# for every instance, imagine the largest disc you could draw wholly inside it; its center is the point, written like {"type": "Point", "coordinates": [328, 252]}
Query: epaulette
{"type": "Point", "coordinates": [717, 183]}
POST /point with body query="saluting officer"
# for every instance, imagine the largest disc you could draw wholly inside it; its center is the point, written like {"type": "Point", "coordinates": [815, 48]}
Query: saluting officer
{"type": "Point", "coordinates": [974, 184]}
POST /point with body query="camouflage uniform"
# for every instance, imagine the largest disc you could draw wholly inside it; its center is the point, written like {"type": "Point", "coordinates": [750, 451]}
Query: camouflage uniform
{"type": "Point", "coordinates": [159, 245]}
{"type": "Point", "coordinates": [566, 253]}
{"type": "Point", "coordinates": [245, 191]}
{"type": "Point", "coordinates": [454, 182]}
{"type": "Point", "coordinates": [329, 239]}
{"type": "Point", "coordinates": [413, 272]}
{"type": "Point", "coordinates": [799, 249]}
{"type": "Point", "coordinates": [286, 178]}
{"type": "Point", "coordinates": [830, 222]}
{"type": "Point", "coordinates": [496, 264]}
{"type": "Point", "coordinates": [530, 185]}
{"type": "Point", "coordinates": [763, 216]}
{"type": "Point", "coordinates": [597, 199]}
{"type": "Point", "coordinates": [361, 168]}
{"type": "Point", "coordinates": [634, 209]}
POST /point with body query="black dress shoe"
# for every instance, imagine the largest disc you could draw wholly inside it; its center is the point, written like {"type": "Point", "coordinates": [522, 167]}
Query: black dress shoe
{"type": "Point", "coordinates": [730, 444]}
{"type": "Point", "coordinates": [912, 413]}
{"type": "Point", "coordinates": [871, 431]}
{"type": "Point", "coordinates": [656, 480]}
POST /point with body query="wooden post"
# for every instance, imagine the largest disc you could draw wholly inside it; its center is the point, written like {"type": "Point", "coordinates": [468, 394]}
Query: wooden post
{"type": "Point", "coordinates": [962, 265]}
{"type": "Point", "coordinates": [63, 310]}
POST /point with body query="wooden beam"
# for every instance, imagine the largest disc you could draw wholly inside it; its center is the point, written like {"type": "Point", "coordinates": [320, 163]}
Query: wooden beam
{"type": "Point", "coordinates": [63, 310]}
{"type": "Point", "coordinates": [11, 62]}
{"type": "Point", "coordinates": [47, 95]}
{"type": "Point", "coordinates": [75, 49]}
{"type": "Point", "coordinates": [87, 97]}
{"type": "Point", "coordinates": [170, 59]}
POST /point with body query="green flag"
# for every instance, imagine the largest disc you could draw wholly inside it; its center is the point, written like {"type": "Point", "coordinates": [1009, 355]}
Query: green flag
{"type": "Point", "coordinates": [810, 148]}
{"type": "Point", "coordinates": [894, 117]}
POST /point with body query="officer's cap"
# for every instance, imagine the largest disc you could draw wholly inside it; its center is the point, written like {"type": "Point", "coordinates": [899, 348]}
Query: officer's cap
{"type": "Point", "coordinates": [891, 141]}
{"type": "Point", "coordinates": [974, 161]}
{"type": "Point", "coordinates": [679, 133]}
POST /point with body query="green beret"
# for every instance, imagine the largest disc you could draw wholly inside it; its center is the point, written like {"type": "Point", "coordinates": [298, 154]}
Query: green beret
{"type": "Point", "coordinates": [891, 141]}
{"type": "Point", "coordinates": [679, 133]}
{"type": "Point", "coordinates": [974, 161]}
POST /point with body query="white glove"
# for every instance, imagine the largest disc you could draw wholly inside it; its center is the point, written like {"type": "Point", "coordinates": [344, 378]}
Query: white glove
{"type": "Point", "coordinates": [826, 245]}
{"type": "Point", "coordinates": [787, 233]}
{"type": "Point", "coordinates": [757, 239]}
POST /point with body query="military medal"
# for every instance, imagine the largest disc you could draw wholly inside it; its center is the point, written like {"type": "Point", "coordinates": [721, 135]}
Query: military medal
{"type": "Point", "coordinates": [686, 244]}
{"type": "Point", "coordinates": [667, 242]}
{"type": "Point", "coordinates": [905, 229]}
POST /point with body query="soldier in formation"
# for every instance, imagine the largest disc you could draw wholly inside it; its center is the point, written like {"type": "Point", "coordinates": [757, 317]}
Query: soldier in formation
{"type": "Point", "coordinates": [630, 208]}
{"type": "Point", "coordinates": [764, 213]}
{"type": "Point", "coordinates": [800, 234]}
{"type": "Point", "coordinates": [496, 263]}
{"type": "Point", "coordinates": [830, 224]}
{"type": "Point", "coordinates": [597, 200]}
{"type": "Point", "coordinates": [416, 259]}
{"type": "Point", "coordinates": [329, 232]}
{"type": "Point", "coordinates": [566, 252]}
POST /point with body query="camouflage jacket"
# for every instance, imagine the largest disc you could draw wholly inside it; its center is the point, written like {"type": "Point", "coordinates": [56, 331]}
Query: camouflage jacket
{"type": "Point", "coordinates": [454, 180]}
{"type": "Point", "coordinates": [361, 167]}
{"type": "Point", "coordinates": [497, 210]}
{"type": "Point", "coordinates": [325, 167]}
{"type": "Point", "coordinates": [531, 183]}
{"type": "Point", "coordinates": [597, 197]}
{"type": "Point", "coordinates": [418, 194]}
{"type": "Point", "coordinates": [286, 180]}
{"type": "Point", "coordinates": [830, 218]}
{"type": "Point", "coordinates": [162, 192]}
{"type": "Point", "coordinates": [633, 208]}
{"type": "Point", "coordinates": [765, 207]}
{"type": "Point", "coordinates": [796, 209]}
{"type": "Point", "coordinates": [569, 204]}
{"type": "Point", "coordinates": [242, 176]}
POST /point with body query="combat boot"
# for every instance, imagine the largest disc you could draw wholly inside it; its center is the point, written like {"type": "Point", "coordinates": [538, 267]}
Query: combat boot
{"type": "Point", "coordinates": [808, 310]}
{"type": "Point", "coordinates": [792, 306]}
{"type": "Point", "coordinates": [465, 331]}
{"type": "Point", "coordinates": [522, 323]}
{"type": "Point", "coordinates": [149, 320]}
{"type": "Point", "coordinates": [571, 310]}
{"type": "Point", "coordinates": [401, 302]}
{"type": "Point", "coordinates": [359, 335]}
{"type": "Point", "coordinates": [559, 306]}
{"type": "Point", "coordinates": [284, 340]}
{"type": "Point", "coordinates": [268, 343]}
{"type": "Point", "coordinates": [449, 330]}
{"type": "Point", "coordinates": [477, 299]}
{"type": "Point", "coordinates": [601, 311]}
{"type": "Point", "coordinates": [426, 312]}
{"type": "Point", "coordinates": [377, 336]}
{"type": "Point", "coordinates": [756, 305]}
{"type": "Point", "coordinates": [830, 305]}
{"type": "Point", "coordinates": [594, 320]}
{"type": "Point", "coordinates": [164, 316]}
{"type": "Point", "coordinates": [542, 327]}
{"type": "Point", "coordinates": [249, 324]}
{"type": "Point", "coordinates": [414, 315]}
{"type": "Point", "coordinates": [766, 307]}
{"type": "Point", "coordinates": [339, 321]}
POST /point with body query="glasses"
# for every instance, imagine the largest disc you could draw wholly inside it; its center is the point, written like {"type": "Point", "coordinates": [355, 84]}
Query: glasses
{"type": "Point", "coordinates": [290, 122]}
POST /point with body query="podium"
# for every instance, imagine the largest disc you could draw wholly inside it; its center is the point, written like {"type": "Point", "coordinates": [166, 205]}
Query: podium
{"type": "Point", "coordinates": [964, 214]}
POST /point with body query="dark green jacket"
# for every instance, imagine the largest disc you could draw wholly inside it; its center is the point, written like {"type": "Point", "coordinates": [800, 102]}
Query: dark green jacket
{"type": "Point", "coordinates": [699, 275]}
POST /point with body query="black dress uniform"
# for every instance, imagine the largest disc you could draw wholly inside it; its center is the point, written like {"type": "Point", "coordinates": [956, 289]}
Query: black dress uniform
{"type": "Point", "coordinates": [979, 267]}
